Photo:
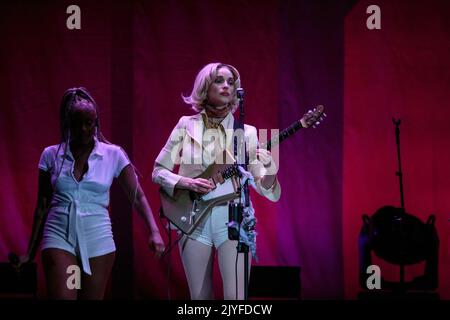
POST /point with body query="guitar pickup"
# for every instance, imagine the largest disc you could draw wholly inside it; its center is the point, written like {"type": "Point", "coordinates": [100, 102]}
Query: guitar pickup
{"type": "Point", "coordinates": [218, 178]}
{"type": "Point", "coordinates": [211, 180]}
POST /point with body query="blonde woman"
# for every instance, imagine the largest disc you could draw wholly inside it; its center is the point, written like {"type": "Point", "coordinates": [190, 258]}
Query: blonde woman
{"type": "Point", "coordinates": [214, 99]}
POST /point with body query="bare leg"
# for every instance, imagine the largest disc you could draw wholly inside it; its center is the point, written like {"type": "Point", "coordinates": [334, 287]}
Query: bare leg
{"type": "Point", "coordinates": [198, 265]}
{"type": "Point", "coordinates": [56, 262]}
{"type": "Point", "coordinates": [93, 286]}
{"type": "Point", "coordinates": [227, 265]}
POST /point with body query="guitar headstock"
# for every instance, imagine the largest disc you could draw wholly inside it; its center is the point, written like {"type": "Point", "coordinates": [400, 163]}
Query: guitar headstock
{"type": "Point", "coordinates": [313, 117]}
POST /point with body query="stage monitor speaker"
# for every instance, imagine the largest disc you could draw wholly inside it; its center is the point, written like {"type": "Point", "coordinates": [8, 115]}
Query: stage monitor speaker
{"type": "Point", "coordinates": [274, 282]}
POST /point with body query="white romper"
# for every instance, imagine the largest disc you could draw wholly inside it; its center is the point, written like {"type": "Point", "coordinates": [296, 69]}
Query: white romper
{"type": "Point", "coordinates": [78, 219]}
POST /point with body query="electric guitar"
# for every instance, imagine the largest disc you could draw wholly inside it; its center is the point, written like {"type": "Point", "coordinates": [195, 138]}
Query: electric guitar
{"type": "Point", "coordinates": [186, 209]}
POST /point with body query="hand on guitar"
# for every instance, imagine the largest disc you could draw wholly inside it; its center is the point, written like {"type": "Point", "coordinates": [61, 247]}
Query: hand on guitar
{"type": "Point", "coordinates": [198, 185]}
{"type": "Point", "coordinates": [265, 157]}
{"type": "Point", "coordinates": [268, 174]}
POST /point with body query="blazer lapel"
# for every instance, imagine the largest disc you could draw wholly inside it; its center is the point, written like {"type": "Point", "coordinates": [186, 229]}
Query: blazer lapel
{"type": "Point", "coordinates": [194, 128]}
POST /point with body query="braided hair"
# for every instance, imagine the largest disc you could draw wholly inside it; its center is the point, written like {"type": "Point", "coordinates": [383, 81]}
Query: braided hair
{"type": "Point", "coordinates": [72, 98]}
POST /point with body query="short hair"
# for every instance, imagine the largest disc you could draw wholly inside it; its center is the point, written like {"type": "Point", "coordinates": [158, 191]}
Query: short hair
{"type": "Point", "coordinates": [206, 76]}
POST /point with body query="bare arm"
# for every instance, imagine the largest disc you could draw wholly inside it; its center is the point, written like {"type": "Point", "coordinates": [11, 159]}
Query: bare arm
{"type": "Point", "coordinates": [133, 190]}
{"type": "Point", "coordinates": [44, 198]}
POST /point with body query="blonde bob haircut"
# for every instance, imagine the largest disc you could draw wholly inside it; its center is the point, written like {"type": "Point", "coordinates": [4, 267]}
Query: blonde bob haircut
{"type": "Point", "coordinates": [199, 95]}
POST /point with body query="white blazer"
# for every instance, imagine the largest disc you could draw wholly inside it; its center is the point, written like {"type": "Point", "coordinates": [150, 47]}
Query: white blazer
{"type": "Point", "coordinates": [185, 148]}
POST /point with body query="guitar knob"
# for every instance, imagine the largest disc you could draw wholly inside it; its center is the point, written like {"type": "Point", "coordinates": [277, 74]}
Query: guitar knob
{"type": "Point", "coordinates": [183, 219]}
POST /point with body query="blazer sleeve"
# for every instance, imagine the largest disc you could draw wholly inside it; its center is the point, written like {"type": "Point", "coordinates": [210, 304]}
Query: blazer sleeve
{"type": "Point", "coordinates": [258, 171]}
{"type": "Point", "coordinates": [168, 158]}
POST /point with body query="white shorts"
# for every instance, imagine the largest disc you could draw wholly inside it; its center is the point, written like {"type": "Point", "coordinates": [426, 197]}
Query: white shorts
{"type": "Point", "coordinates": [97, 234]}
{"type": "Point", "coordinates": [213, 230]}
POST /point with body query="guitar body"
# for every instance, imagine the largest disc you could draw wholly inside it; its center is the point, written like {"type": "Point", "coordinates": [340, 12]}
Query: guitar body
{"type": "Point", "coordinates": [186, 209]}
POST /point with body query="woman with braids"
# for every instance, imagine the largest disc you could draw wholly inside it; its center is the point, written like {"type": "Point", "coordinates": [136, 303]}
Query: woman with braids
{"type": "Point", "coordinates": [214, 99]}
{"type": "Point", "coordinates": [71, 216]}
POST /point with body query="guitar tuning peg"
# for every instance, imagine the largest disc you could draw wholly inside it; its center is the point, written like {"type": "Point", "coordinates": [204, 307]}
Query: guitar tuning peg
{"type": "Point", "coordinates": [324, 114]}
{"type": "Point", "coordinates": [317, 123]}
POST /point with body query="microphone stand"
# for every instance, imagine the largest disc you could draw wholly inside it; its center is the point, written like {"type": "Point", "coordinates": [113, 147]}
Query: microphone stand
{"type": "Point", "coordinates": [400, 217]}
{"type": "Point", "coordinates": [238, 209]}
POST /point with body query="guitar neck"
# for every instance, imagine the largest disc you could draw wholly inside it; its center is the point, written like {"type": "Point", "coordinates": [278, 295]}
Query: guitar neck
{"type": "Point", "coordinates": [283, 135]}
{"type": "Point", "coordinates": [312, 117]}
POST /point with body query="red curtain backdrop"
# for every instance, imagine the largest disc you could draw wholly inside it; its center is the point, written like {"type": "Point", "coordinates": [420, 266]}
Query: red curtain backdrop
{"type": "Point", "coordinates": [138, 57]}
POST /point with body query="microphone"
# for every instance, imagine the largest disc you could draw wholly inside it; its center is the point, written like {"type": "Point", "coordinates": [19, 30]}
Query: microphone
{"type": "Point", "coordinates": [240, 93]}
